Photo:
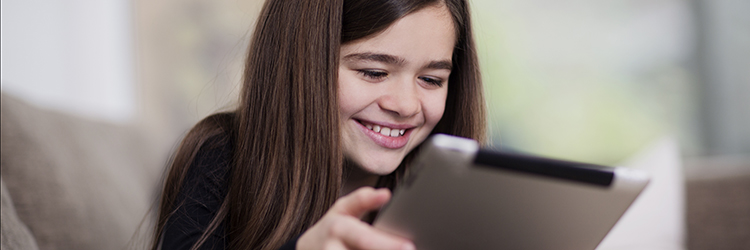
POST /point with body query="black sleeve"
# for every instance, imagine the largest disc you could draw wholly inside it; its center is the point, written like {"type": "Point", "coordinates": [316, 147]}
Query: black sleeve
{"type": "Point", "coordinates": [199, 199]}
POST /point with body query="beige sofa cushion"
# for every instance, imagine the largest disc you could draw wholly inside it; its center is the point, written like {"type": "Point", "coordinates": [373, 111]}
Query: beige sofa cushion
{"type": "Point", "coordinates": [14, 235]}
{"type": "Point", "coordinates": [76, 184]}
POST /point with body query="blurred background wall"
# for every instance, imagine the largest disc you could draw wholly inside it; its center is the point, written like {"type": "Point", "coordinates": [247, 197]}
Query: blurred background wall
{"type": "Point", "coordinates": [75, 56]}
{"type": "Point", "coordinates": [583, 80]}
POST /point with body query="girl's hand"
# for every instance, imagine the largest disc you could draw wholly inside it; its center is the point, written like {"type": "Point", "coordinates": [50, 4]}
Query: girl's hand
{"type": "Point", "coordinates": [341, 228]}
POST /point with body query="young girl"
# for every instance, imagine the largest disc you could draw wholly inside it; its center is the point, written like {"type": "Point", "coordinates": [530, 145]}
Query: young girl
{"type": "Point", "coordinates": [337, 96]}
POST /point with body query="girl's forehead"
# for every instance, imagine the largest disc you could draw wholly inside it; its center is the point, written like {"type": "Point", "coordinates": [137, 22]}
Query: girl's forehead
{"type": "Point", "coordinates": [353, 26]}
{"type": "Point", "coordinates": [427, 33]}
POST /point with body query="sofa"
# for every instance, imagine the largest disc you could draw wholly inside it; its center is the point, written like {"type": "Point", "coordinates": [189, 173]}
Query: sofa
{"type": "Point", "coordinates": [73, 183]}
{"type": "Point", "coordinates": [718, 203]}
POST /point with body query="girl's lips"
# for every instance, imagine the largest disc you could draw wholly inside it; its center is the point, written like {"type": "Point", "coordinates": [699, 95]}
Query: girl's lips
{"type": "Point", "coordinates": [386, 141]}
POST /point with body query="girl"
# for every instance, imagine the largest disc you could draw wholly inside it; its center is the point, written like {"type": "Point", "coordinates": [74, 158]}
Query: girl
{"type": "Point", "coordinates": [337, 96]}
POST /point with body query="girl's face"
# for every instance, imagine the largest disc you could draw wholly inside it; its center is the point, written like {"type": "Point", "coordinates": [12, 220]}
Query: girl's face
{"type": "Point", "coordinates": [393, 86]}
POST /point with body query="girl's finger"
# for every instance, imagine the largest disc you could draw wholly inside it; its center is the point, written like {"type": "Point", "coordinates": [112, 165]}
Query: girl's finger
{"type": "Point", "coordinates": [361, 201]}
{"type": "Point", "coordinates": [358, 235]}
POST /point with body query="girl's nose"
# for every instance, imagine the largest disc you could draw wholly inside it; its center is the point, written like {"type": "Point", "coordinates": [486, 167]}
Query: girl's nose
{"type": "Point", "coordinates": [401, 99]}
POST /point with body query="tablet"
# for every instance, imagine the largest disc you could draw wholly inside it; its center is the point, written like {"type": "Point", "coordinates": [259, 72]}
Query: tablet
{"type": "Point", "coordinates": [457, 196]}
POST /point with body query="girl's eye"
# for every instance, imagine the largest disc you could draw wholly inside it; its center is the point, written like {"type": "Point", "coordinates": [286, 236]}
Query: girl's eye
{"type": "Point", "coordinates": [432, 81]}
{"type": "Point", "coordinates": [373, 74]}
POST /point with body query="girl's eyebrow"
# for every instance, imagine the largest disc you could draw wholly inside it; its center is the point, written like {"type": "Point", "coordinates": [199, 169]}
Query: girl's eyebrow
{"type": "Point", "coordinates": [445, 64]}
{"type": "Point", "coordinates": [383, 58]}
{"type": "Point", "coordinates": [395, 60]}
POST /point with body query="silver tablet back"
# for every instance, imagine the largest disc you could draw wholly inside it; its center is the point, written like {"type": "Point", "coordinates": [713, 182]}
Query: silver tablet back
{"type": "Point", "coordinates": [458, 197]}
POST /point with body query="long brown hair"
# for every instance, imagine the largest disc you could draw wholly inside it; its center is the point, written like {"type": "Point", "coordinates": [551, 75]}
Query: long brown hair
{"type": "Point", "coordinates": [287, 165]}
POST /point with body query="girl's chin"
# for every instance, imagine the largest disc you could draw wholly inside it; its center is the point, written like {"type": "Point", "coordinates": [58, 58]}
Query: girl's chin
{"type": "Point", "coordinates": [374, 168]}
{"type": "Point", "coordinates": [379, 169]}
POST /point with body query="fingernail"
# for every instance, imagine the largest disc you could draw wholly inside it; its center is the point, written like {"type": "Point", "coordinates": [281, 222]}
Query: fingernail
{"type": "Point", "coordinates": [408, 246]}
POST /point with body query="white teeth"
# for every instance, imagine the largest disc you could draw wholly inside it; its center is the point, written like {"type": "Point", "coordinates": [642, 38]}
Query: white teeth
{"type": "Point", "coordinates": [394, 133]}
{"type": "Point", "coordinates": [385, 131]}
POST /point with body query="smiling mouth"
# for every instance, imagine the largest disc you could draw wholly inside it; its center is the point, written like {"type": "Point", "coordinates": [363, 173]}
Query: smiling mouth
{"type": "Point", "coordinates": [386, 131]}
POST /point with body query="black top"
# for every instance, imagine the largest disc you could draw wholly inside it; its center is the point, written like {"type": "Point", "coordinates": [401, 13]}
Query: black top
{"type": "Point", "coordinates": [200, 198]}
